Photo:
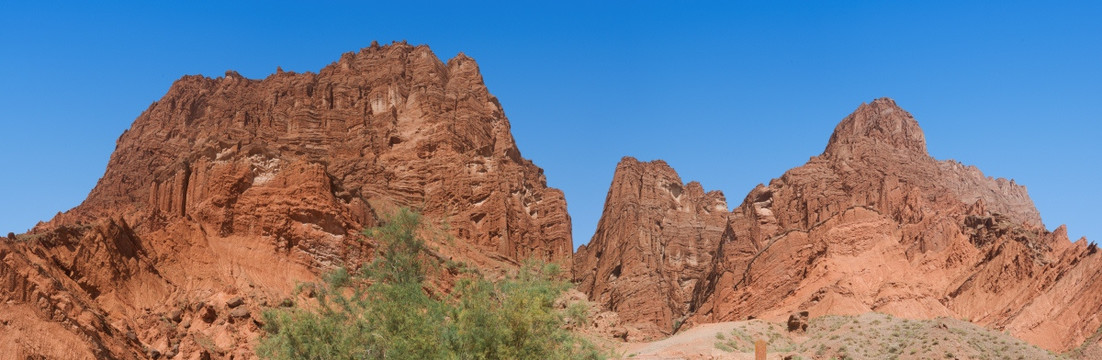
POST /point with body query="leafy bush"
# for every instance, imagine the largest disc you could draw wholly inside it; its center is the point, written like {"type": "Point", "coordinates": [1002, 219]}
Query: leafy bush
{"type": "Point", "coordinates": [577, 314]}
{"type": "Point", "coordinates": [382, 312]}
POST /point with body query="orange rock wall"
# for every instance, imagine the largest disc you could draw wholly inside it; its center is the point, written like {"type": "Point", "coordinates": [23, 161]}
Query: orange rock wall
{"type": "Point", "coordinates": [872, 224]}
{"type": "Point", "coordinates": [232, 188]}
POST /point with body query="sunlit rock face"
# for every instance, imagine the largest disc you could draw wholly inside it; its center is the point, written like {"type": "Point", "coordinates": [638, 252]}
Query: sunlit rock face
{"type": "Point", "coordinates": [871, 224]}
{"type": "Point", "coordinates": [656, 238]}
{"type": "Point", "coordinates": [228, 191]}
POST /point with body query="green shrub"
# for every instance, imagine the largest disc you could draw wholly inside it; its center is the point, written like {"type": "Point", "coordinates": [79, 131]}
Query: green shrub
{"type": "Point", "coordinates": [382, 312]}
{"type": "Point", "coordinates": [578, 314]}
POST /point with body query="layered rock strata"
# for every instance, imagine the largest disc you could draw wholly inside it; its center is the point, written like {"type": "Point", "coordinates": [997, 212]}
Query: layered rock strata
{"type": "Point", "coordinates": [654, 242]}
{"type": "Point", "coordinates": [232, 189]}
{"type": "Point", "coordinates": [874, 224]}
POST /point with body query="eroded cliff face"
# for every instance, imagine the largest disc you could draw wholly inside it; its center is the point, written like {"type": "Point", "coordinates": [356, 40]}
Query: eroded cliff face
{"type": "Point", "coordinates": [874, 224]}
{"type": "Point", "coordinates": [384, 127]}
{"type": "Point", "coordinates": [655, 240]}
{"type": "Point", "coordinates": [227, 191]}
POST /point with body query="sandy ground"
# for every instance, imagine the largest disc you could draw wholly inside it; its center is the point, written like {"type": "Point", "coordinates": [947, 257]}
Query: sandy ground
{"type": "Point", "coordinates": [867, 336]}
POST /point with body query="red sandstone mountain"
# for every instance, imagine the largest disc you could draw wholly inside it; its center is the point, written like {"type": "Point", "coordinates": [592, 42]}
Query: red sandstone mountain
{"type": "Point", "coordinates": [872, 224]}
{"type": "Point", "coordinates": [226, 192]}
{"type": "Point", "coordinates": [655, 242]}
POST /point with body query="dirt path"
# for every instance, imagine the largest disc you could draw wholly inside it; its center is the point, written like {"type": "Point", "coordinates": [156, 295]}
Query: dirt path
{"type": "Point", "coordinates": [693, 344]}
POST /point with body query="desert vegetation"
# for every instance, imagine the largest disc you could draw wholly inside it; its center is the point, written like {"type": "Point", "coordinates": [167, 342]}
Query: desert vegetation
{"type": "Point", "coordinates": [381, 310]}
{"type": "Point", "coordinates": [880, 336]}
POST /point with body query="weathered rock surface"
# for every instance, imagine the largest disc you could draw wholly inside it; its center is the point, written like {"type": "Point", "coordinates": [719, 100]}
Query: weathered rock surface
{"type": "Point", "coordinates": [872, 224]}
{"type": "Point", "coordinates": [655, 240]}
{"type": "Point", "coordinates": [227, 191]}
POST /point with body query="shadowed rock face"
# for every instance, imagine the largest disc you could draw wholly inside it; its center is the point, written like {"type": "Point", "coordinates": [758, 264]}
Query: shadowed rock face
{"type": "Point", "coordinates": [238, 188]}
{"type": "Point", "coordinates": [872, 224]}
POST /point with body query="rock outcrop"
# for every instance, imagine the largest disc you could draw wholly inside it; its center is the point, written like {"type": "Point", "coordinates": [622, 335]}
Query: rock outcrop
{"type": "Point", "coordinates": [672, 228]}
{"type": "Point", "coordinates": [875, 224]}
{"type": "Point", "coordinates": [797, 321]}
{"type": "Point", "coordinates": [227, 191]}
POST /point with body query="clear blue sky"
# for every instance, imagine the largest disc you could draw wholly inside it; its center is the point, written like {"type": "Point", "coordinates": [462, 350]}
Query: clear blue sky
{"type": "Point", "coordinates": [729, 95]}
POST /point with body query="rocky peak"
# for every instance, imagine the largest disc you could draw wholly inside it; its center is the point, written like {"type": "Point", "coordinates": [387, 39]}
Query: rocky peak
{"type": "Point", "coordinates": [223, 177]}
{"type": "Point", "coordinates": [875, 224]}
{"type": "Point", "coordinates": [878, 125]}
{"type": "Point", "coordinates": [656, 236]}
{"type": "Point", "coordinates": [656, 181]}
{"type": "Point", "coordinates": [633, 177]}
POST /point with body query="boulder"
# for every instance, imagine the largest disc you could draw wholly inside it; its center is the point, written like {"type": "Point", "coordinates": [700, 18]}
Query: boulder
{"type": "Point", "coordinates": [797, 322]}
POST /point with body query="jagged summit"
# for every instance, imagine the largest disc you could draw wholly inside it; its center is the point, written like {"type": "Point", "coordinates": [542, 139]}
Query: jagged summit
{"type": "Point", "coordinates": [878, 125]}
{"type": "Point", "coordinates": [645, 176]}
{"type": "Point", "coordinates": [367, 59]}
{"type": "Point", "coordinates": [673, 229]}
{"type": "Point", "coordinates": [231, 187]}
{"type": "Point", "coordinates": [875, 224]}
